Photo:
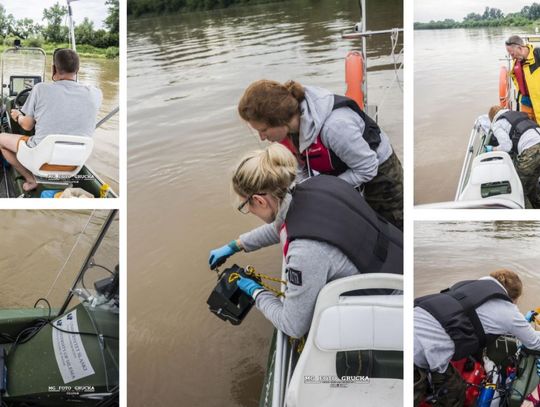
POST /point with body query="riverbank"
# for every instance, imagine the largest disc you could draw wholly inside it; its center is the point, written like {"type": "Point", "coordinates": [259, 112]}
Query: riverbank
{"type": "Point", "coordinates": [152, 8]}
{"type": "Point", "coordinates": [84, 51]}
{"type": "Point", "coordinates": [450, 24]}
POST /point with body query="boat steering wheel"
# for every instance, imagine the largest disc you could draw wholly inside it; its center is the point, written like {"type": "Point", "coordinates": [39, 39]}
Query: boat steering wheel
{"type": "Point", "coordinates": [21, 97]}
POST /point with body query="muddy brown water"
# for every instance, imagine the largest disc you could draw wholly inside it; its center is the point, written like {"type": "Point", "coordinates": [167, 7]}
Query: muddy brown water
{"type": "Point", "coordinates": [37, 243]}
{"type": "Point", "coordinates": [448, 252]}
{"type": "Point", "coordinates": [186, 74]}
{"type": "Point", "coordinates": [456, 79]}
{"type": "Point", "coordinates": [104, 74]}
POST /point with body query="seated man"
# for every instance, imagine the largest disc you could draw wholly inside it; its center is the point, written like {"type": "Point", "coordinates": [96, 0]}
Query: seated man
{"type": "Point", "coordinates": [61, 107]}
{"type": "Point", "coordinates": [517, 134]}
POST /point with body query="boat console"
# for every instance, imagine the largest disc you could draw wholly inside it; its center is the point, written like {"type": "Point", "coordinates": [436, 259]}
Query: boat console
{"type": "Point", "coordinates": [19, 83]}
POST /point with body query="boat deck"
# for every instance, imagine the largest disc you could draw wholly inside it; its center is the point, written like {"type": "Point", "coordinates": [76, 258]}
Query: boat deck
{"type": "Point", "coordinates": [6, 187]}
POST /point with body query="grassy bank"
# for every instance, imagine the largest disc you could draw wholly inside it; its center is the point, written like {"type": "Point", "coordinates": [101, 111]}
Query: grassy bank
{"type": "Point", "coordinates": [138, 8]}
{"type": "Point", "coordinates": [85, 51]}
{"type": "Point", "coordinates": [449, 24]}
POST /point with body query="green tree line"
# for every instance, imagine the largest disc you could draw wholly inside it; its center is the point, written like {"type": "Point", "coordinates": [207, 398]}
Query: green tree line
{"type": "Point", "coordinates": [54, 31]}
{"type": "Point", "coordinates": [140, 7]}
{"type": "Point", "coordinates": [492, 17]}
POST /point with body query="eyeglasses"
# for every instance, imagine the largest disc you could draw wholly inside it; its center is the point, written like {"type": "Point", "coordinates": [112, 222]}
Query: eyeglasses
{"type": "Point", "coordinates": [512, 43]}
{"type": "Point", "coordinates": [242, 208]}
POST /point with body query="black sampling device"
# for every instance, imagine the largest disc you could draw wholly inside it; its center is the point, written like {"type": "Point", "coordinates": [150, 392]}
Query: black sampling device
{"type": "Point", "coordinates": [227, 301]}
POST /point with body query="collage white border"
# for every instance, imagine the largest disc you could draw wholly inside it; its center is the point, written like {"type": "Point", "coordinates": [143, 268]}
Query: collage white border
{"type": "Point", "coordinates": [119, 203]}
{"type": "Point", "coordinates": [425, 215]}
{"type": "Point", "coordinates": [411, 215]}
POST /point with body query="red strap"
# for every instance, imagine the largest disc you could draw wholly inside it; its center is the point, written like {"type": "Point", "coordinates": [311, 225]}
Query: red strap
{"type": "Point", "coordinates": [283, 229]}
{"type": "Point", "coordinates": [520, 77]}
{"type": "Point", "coordinates": [287, 142]}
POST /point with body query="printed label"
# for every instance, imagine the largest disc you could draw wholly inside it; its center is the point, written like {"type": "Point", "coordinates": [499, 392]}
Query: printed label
{"type": "Point", "coordinates": [71, 357]}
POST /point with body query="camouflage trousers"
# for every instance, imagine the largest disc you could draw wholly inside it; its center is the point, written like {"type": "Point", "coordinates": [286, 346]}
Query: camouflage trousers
{"type": "Point", "coordinates": [384, 193]}
{"type": "Point", "coordinates": [528, 169]}
{"type": "Point", "coordinates": [448, 388]}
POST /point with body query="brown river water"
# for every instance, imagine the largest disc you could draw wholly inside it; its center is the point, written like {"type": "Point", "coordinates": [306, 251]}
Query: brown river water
{"type": "Point", "coordinates": [456, 79]}
{"type": "Point", "coordinates": [448, 252]}
{"type": "Point", "coordinates": [186, 74]}
{"type": "Point", "coordinates": [104, 74]}
{"type": "Point", "coordinates": [37, 243]}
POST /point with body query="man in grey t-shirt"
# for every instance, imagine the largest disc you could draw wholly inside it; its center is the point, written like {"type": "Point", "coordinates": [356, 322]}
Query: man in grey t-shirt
{"type": "Point", "coordinates": [62, 107]}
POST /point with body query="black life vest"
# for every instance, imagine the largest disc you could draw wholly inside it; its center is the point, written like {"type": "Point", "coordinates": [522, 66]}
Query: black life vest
{"type": "Point", "coordinates": [455, 309]}
{"type": "Point", "coordinates": [520, 123]}
{"type": "Point", "coordinates": [328, 209]}
{"type": "Point", "coordinates": [324, 160]}
{"type": "Point", "coordinates": [534, 66]}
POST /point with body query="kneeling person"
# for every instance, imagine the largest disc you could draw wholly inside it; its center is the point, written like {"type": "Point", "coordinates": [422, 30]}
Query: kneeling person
{"type": "Point", "coordinates": [516, 133]}
{"type": "Point", "coordinates": [61, 107]}
{"type": "Point", "coordinates": [459, 322]}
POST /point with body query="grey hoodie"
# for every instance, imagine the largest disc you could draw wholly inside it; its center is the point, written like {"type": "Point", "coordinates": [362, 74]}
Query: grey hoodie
{"type": "Point", "coordinates": [433, 348]}
{"type": "Point", "coordinates": [317, 263]}
{"type": "Point", "coordinates": [341, 131]}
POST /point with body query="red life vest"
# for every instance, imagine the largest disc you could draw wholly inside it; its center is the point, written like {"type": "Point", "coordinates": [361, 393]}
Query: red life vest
{"type": "Point", "coordinates": [520, 78]}
{"type": "Point", "coordinates": [322, 159]}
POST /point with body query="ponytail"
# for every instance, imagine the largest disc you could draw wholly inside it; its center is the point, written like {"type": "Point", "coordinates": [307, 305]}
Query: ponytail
{"type": "Point", "coordinates": [270, 171]}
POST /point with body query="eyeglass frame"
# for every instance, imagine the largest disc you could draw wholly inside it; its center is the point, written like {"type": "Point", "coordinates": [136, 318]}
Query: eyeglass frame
{"type": "Point", "coordinates": [512, 43]}
{"type": "Point", "coordinates": [243, 204]}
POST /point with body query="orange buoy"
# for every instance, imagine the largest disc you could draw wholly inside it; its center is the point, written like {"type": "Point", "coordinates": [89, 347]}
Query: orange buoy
{"type": "Point", "coordinates": [503, 87]}
{"type": "Point", "coordinates": [354, 77]}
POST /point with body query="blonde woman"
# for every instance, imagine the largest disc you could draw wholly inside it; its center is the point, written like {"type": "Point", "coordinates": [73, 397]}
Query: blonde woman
{"type": "Point", "coordinates": [326, 229]}
{"type": "Point", "coordinates": [459, 322]}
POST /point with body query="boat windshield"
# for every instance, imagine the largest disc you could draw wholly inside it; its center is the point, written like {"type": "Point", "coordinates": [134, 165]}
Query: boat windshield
{"type": "Point", "coordinates": [20, 63]}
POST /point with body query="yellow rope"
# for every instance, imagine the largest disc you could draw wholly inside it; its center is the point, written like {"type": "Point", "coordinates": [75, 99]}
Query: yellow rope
{"type": "Point", "coordinates": [299, 342]}
{"type": "Point", "coordinates": [250, 271]}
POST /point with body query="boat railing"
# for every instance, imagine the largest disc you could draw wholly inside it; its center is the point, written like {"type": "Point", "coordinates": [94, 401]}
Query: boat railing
{"type": "Point", "coordinates": [491, 203]}
{"type": "Point", "coordinates": [477, 141]}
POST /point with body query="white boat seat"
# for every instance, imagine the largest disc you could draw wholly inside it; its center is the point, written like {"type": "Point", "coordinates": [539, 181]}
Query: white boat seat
{"type": "Point", "coordinates": [347, 323]}
{"type": "Point", "coordinates": [343, 327]}
{"type": "Point", "coordinates": [56, 156]}
{"type": "Point", "coordinates": [493, 171]}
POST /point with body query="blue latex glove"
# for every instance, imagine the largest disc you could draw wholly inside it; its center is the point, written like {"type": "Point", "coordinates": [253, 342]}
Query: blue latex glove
{"type": "Point", "coordinates": [248, 285]}
{"type": "Point", "coordinates": [218, 256]}
{"type": "Point", "coordinates": [488, 149]}
{"type": "Point", "coordinates": [529, 316]}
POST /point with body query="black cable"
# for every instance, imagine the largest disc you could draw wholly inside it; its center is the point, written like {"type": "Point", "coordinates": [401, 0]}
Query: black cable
{"type": "Point", "coordinates": [83, 333]}
{"type": "Point", "coordinates": [49, 321]}
{"type": "Point", "coordinates": [103, 267]}
{"type": "Point", "coordinates": [94, 265]}
{"type": "Point", "coordinates": [28, 333]}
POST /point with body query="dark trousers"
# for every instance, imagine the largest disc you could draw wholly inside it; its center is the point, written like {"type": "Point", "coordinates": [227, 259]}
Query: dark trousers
{"type": "Point", "coordinates": [528, 169]}
{"type": "Point", "coordinates": [384, 193]}
{"type": "Point", "coordinates": [448, 388]}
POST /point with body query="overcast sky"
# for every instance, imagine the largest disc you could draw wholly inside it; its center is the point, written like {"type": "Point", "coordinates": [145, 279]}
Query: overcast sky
{"type": "Point", "coordinates": [95, 10]}
{"type": "Point", "coordinates": [427, 10]}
